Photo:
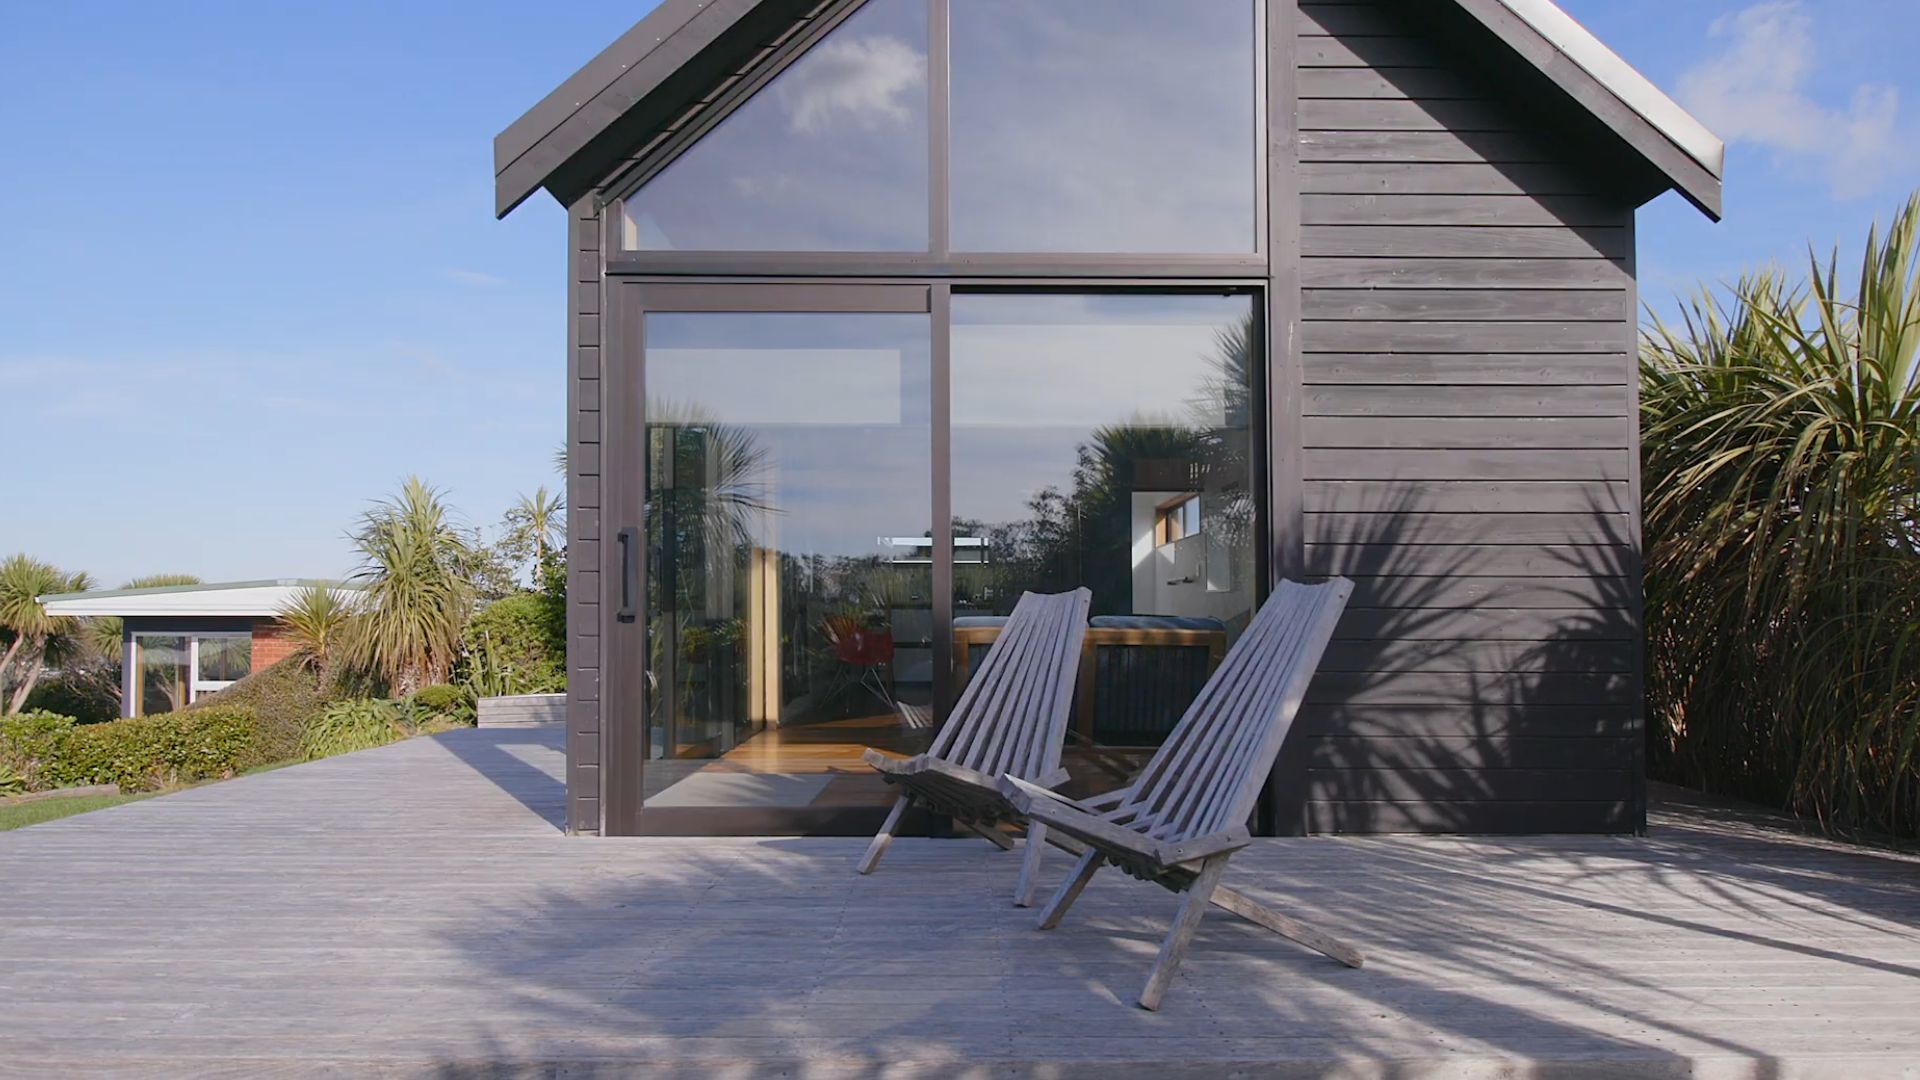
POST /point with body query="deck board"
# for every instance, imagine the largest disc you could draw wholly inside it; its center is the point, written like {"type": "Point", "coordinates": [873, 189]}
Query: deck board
{"type": "Point", "coordinates": [414, 909]}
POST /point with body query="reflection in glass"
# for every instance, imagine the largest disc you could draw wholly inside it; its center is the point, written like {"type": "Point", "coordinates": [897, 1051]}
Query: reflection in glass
{"type": "Point", "coordinates": [1104, 125]}
{"type": "Point", "coordinates": [788, 508]}
{"type": "Point", "coordinates": [163, 683]}
{"type": "Point", "coordinates": [829, 156]}
{"type": "Point", "coordinates": [224, 658]}
{"type": "Point", "coordinates": [1105, 441]}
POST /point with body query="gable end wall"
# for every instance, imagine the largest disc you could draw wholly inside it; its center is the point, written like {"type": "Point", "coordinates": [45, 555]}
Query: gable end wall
{"type": "Point", "coordinates": [1468, 440]}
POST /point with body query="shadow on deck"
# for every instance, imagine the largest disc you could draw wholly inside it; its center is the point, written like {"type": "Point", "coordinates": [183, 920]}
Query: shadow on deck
{"type": "Point", "coordinates": [414, 910]}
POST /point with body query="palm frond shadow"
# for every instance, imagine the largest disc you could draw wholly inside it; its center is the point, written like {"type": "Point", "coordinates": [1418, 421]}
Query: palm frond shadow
{"type": "Point", "coordinates": [1475, 688]}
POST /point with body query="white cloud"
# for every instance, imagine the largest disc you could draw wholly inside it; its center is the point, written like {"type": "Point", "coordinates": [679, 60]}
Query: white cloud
{"type": "Point", "coordinates": [866, 81]}
{"type": "Point", "coordinates": [1755, 91]}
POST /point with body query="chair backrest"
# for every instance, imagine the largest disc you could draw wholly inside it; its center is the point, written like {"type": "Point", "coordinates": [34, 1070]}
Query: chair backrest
{"type": "Point", "coordinates": [1012, 717]}
{"type": "Point", "coordinates": [1207, 776]}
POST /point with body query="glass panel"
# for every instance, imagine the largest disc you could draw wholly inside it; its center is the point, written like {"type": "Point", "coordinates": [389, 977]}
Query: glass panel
{"type": "Point", "coordinates": [164, 675]}
{"type": "Point", "coordinates": [225, 658]}
{"type": "Point", "coordinates": [789, 572]}
{"type": "Point", "coordinates": [1081, 426]}
{"type": "Point", "coordinates": [829, 156]}
{"type": "Point", "coordinates": [1104, 125]}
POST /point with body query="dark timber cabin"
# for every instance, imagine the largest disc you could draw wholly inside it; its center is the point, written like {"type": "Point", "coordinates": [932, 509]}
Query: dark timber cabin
{"type": "Point", "coordinates": [885, 311]}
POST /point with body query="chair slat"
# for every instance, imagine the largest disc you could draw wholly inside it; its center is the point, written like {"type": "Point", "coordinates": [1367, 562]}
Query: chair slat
{"type": "Point", "coordinates": [1219, 753]}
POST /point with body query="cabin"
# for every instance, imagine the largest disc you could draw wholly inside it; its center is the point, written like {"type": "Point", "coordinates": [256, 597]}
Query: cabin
{"type": "Point", "coordinates": [883, 312]}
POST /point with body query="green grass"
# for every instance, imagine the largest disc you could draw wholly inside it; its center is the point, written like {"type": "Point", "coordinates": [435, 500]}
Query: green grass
{"type": "Point", "coordinates": [33, 813]}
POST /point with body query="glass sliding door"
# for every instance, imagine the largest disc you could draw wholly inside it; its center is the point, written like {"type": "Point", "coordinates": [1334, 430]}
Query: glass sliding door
{"type": "Point", "coordinates": [1106, 440]}
{"type": "Point", "coordinates": [789, 613]}
{"type": "Point", "coordinates": [837, 492]}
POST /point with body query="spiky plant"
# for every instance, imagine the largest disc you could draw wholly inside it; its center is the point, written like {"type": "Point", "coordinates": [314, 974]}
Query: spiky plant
{"type": "Point", "coordinates": [414, 564]}
{"type": "Point", "coordinates": [1781, 445]}
{"type": "Point", "coordinates": [318, 621]}
{"type": "Point", "coordinates": [35, 637]}
{"type": "Point", "coordinates": [536, 525]}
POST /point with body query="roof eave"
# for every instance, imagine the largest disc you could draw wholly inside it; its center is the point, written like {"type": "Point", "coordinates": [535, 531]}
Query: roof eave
{"type": "Point", "coordinates": [541, 143]}
{"type": "Point", "coordinates": [1670, 140]}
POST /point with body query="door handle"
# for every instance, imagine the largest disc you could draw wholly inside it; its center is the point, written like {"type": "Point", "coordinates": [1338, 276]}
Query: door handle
{"type": "Point", "coordinates": [629, 572]}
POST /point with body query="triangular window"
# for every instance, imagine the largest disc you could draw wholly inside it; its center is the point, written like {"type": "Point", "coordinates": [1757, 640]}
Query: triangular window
{"type": "Point", "coordinates": [829, 156]}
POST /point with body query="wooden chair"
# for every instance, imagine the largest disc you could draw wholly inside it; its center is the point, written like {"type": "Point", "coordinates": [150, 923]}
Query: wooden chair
{"type": "Point", "coordinates": [1010, 721]}
{"type": "Point", "coordinates": [1186, 813]}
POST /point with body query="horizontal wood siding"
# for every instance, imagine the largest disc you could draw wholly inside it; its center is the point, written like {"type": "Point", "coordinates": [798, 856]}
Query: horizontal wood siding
{"type": "Point", "coordinates": [1468, 444]}
{"type": "Point", "coordinates": [583, 518]}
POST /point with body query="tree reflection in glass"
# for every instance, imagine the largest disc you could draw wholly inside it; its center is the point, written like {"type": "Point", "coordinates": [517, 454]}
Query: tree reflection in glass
{"type": "Point", "coordinates": [1077, 421]}
{"type": "Point", "coordinates": [787, 629]}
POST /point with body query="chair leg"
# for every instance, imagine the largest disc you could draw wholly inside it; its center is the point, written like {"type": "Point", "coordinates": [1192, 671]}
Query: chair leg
{"type": "Point", "coordinates": [1023, 890]}
{"type": "Point", "coordinates": [989, 833]}
{"type": "Point", "coordinates": [1070, 890]}
{"type": "Point", "coordinates": [1193, 907]}
{"type": "Point", "coordinates": [884, 837]}
{"type": "Point", "coordinates": [1292, 929]}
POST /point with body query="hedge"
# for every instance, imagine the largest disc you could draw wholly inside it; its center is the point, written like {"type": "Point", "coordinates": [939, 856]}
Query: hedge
{"type": "Point", "coordinates": [140, 754]}
{"type": "Point", "coordinates": [282, 698]}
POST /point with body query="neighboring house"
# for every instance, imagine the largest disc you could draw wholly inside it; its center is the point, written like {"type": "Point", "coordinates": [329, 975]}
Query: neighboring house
{"type": "Point", "coordinates": [182, 641]}
{"type": "Point", "coordinates": [882, 312]}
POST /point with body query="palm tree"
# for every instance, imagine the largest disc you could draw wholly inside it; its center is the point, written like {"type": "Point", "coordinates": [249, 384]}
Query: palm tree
{"type": "Point", "coordinates": [319, 622]}
{"type": "Point", "coordinates": [36, 636]}
{"type": "Point", "coordinates": [536, 525]}
{"type": "Point", "coordinates": [105, 635]}
{"type": "Point", "coordinates": [414, 564]}
{"type": "Point", "coordinates": [1781, 458]}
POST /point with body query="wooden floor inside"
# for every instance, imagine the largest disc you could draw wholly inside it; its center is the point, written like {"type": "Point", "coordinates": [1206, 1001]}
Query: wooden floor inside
{"type": "Point", "coordinates": [836, 750]}
{"type": "Point", "coordinates": [414, 910]}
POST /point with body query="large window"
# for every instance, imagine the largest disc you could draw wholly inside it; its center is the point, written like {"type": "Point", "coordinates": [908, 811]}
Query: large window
{"type": "Point", "coordinates": [1106, 441]}
{"type": "Point", "coordinates": [790, 617]}
{"type": "Point", "coordinates": [829, 156]}
{"type": "Point", "coordinates": [1070, 126]}
{"type": "Point", "coordinates": [1104, 126]}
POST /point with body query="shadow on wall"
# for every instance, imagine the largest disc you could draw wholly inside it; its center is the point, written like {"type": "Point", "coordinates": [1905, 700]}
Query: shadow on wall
{"type": "Point", "coordinates": [1475, 688]}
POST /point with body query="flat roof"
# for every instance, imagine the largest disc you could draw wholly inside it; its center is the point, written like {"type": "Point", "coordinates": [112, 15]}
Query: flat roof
{"type": "Point", "coordinates": [238, 598]}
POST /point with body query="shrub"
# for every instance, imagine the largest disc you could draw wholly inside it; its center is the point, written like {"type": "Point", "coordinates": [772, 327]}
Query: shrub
{"type": "Point", "coordinates": [517, 645]}
{"type": "Point", "coordinates": [29, 741]}
{"type": "Point", "coordinates": [11, 781]}
{"type": "Point", "coordinates": [140, 754]}
{"type": "Point", "coordinates": [346, 726]}
{"type": "Point", "coordinates": [440, 707]}
{"type": "Point", "coordinates": [283, 699]}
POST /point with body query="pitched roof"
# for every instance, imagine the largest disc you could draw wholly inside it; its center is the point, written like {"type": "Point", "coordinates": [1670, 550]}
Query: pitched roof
{"type": "Point", "coordinates": [674, 59]}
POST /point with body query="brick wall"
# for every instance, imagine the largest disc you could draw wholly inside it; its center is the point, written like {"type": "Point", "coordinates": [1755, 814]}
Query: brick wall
{"type": "Point", "coordinates": [270, 643]}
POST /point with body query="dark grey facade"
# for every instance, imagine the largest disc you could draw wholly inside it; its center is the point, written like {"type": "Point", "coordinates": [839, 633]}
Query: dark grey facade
{"type": "Point", "coordinates": [1445, 287]}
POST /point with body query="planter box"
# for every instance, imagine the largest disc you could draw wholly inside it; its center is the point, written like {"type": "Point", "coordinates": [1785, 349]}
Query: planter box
{"type": "Point", "coordinates": [522, 710]}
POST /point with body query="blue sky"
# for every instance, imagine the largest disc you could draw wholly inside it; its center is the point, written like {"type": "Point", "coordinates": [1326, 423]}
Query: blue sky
{"type": "Point", "coordinates": [250, 277]}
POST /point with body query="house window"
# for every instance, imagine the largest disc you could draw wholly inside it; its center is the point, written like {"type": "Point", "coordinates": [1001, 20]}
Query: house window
{"type": "Point", "coordinates": [829, 156]}
{"type": "Point", "coordinates": [1072, 126]}
{"type": "Point", "coordinates": [1177, 520]}
{"type": "Point", "coordinates": [1105, 126]}
{"type": "Point", "coordinates": [172, 671]}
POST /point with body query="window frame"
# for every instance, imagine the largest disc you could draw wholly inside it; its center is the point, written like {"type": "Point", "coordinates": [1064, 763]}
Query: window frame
{"type": "Point", "coordinates": [940, 260]}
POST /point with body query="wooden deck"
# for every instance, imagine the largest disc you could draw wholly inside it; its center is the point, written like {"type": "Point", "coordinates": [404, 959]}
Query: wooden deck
{"type": "Point", "coordinates": [413, 910]}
